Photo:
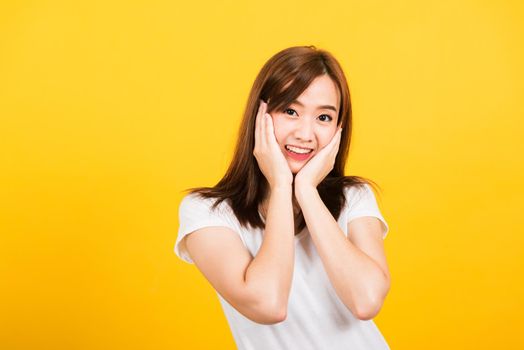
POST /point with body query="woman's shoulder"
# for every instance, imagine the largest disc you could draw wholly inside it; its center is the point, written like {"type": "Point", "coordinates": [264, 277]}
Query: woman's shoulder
{"type": "Point", "coordinates": [356, 192]}
{"type": "Point", "coordinates": [356, 189]}
{"type": "Point", "coordinates": [196, 202]}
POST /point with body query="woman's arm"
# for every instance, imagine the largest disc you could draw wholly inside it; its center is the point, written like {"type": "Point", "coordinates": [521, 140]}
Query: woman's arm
{"type": "Point", "coordinates": [272, 268]}
{"type": "Point", "coordinates": [357, 271]}
{"type": "Point", "coordinates": [271, 272]}
{"type": "Point", "coordinates": [257, 287]}
{"type": "Point", "coordinates": [356, 265]}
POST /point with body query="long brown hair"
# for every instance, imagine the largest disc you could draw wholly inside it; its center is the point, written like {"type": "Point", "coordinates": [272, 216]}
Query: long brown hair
{"type": "Point", "coordinates": [281, 80]}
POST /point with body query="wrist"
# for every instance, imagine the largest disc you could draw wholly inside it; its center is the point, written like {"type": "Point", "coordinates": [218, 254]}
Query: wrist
{"type": "Point", "coordinates": [281, 187]}
{"type": "Point", "coordinates": [304, 190]}
{"type": "Point", "coordinates": [300, 184]}
{"type": "Point", "coordinates": [280, 182]}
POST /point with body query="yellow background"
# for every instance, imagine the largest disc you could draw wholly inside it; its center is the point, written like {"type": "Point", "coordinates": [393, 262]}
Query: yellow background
{"type": "Point", "coordinates": [109, 109]}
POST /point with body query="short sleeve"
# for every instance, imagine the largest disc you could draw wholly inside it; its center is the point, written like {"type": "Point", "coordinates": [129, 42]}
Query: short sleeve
{"type": "Point", "coordinates": [362, 202]}
{"type": "Point", "coordinates": [195, 213]}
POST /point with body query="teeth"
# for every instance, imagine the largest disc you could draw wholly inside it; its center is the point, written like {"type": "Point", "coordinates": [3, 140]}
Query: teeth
{"type": "Point", "coordinates": [298, 150]}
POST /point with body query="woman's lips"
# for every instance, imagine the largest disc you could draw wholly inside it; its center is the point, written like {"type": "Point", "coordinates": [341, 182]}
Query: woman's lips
{"type": "Point", "coordinates": [296, 156]}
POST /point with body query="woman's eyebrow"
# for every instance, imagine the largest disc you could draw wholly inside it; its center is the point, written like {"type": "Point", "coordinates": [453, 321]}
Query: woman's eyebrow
{"type": "Point", "coordinates": [318, 107]}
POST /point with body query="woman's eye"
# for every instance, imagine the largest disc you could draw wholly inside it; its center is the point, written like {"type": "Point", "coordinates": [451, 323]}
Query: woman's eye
{"type": "Point", "coordinates": [325, 115]}
{"type": "Point", "coordinates": [287, 110]}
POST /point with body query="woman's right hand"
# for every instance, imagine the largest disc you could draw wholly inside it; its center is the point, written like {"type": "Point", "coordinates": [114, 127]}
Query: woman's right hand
{"type": "Point", "coordinates": [270, 158]}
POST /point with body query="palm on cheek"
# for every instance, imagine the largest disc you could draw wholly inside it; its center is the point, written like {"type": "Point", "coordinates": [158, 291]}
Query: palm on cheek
{"type": "Point", "coordinates": [270, 159]}
{"type": "Point", "coordinates": [314, 171]}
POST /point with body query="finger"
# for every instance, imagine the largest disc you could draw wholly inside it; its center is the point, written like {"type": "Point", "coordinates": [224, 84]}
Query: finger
{"type": "Point", "coordinates": [272, 138]}
{"type": "Point", "coordinates": [270, 128]}
{"type": "Point", "coordinates": [337, 138]}
{"type": "Point", "coordinates": [263, 127]}
{"type": "Point", "coordinates": [258, 122]}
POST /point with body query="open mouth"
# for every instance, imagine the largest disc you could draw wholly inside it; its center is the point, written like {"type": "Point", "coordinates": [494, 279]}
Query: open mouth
{"type": "Point", "coordinates": [298, 153]}
{"type": "Point", "coordinates": [298, 150]}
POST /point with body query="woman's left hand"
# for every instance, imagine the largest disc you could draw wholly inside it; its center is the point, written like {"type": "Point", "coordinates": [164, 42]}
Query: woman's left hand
{"type": "Point", "coordinates": [318, 167]}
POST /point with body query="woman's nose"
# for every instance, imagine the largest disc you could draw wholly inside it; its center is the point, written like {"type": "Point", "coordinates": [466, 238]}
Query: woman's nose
{"type": "Point", "coordinates": [304, 130]}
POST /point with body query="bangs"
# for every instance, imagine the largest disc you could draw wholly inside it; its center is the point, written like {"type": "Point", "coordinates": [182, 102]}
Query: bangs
{"type": "Point", "coordinates": [281, 93]}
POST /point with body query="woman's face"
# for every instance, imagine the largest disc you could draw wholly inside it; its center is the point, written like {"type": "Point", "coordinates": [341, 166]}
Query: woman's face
{"type": "Point", "coordinates": [309, 122]}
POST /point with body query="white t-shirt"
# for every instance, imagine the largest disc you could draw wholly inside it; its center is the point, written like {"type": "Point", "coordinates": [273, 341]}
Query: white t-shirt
{"type": "Point", "coordinates": [316, 317]}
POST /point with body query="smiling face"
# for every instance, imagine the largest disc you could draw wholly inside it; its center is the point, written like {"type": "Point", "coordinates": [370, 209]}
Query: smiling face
{"type": "Point", "coordinates": [310, 122]}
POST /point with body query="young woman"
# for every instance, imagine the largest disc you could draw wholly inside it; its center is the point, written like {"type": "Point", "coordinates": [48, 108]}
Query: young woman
{"type": "Point", "coordinates": [293, 247]}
